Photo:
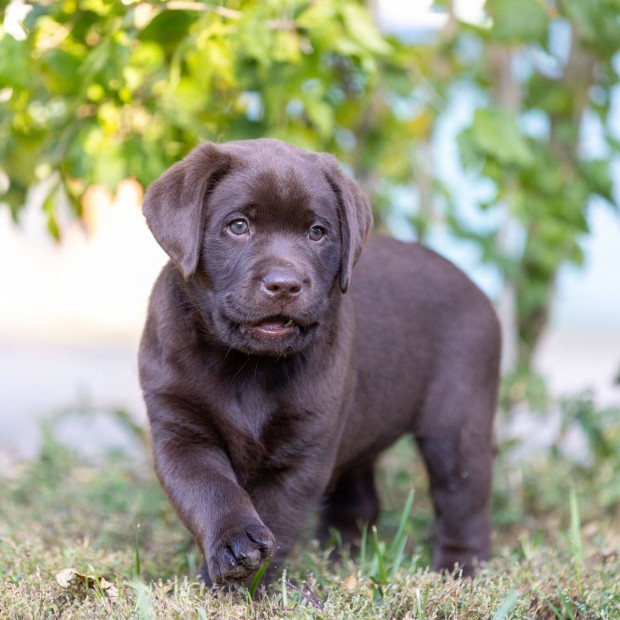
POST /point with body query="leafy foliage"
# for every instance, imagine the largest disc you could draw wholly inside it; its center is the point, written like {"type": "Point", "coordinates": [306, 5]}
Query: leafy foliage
{"type": "Point", "coordinates": [547, 73]}
{"type": "Point", "coordinates": [97, 91]}
{"type": "Point", "coordinates": [100, 91]}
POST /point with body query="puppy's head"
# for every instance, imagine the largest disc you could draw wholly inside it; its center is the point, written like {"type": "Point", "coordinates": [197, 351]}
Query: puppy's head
{"type": "Point", "coordinates": [264, 234]}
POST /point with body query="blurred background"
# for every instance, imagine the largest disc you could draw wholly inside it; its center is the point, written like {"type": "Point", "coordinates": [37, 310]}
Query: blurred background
{"type": "Point", "coordinates": [489, 131]}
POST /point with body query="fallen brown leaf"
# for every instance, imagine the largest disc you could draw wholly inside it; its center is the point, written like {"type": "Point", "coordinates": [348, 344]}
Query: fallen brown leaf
{"type": "Point", "coordinates": [69, 577]}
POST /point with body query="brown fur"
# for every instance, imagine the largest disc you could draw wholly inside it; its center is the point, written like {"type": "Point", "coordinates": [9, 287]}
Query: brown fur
{"type": "Point", "coordinates": [257, 422]}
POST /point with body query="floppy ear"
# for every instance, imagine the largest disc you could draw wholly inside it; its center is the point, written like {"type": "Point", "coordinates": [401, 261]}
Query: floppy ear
{"type": "Point", "coordinates": [174, 205]}
{"type": "Point", "coordinates": [355, 218]}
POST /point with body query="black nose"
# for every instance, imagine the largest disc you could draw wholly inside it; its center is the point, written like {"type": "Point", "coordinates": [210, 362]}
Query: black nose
{"type": "Point", "coordinates": [282, 285]}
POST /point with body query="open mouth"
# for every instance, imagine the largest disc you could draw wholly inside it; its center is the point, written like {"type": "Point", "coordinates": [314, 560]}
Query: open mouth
{"type": "Point", "coordinates": [277, 334]}
{"type": "Point", "coordinates": [275, 326]}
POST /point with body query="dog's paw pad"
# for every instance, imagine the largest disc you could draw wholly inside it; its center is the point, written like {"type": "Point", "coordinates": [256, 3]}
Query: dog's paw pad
{"type": "Point", "coordinates": [239, 553]}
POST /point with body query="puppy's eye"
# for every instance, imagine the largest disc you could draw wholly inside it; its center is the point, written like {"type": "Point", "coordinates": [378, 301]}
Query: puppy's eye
{"type": "Point", "coordinates": [316, 233]}
{"type": "Point", "coordinates": [238, 227]}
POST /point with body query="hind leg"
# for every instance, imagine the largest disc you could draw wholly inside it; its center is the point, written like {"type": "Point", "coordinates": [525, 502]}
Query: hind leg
{"type": "Point", "coordinates": [351, 503]}
{"type": "Point", "coordinates": [460, 484]}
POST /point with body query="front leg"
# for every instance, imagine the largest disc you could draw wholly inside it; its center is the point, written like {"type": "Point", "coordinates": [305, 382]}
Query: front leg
{"type": "Point", "coordinates": [202, 487]}
{"type": "Point", "coordinates": [286, 501]}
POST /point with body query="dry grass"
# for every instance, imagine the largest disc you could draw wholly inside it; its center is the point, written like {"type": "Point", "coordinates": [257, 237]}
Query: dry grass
{"type": "Point", "coordinates": [59, 513]}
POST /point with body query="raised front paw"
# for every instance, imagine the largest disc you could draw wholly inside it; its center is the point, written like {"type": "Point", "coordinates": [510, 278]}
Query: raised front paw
{"type": "Point", "coordinates": [239, 552]}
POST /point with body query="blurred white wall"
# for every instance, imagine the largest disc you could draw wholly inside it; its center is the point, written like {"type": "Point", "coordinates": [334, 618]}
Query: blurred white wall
{"type": "Point", "coordinates": [92, 286]}
{"type": "Point", "coordinates": [71, 316]}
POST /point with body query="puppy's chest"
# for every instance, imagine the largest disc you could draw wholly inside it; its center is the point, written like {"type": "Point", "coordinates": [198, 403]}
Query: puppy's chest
{"type": "Point", "coordinates": [268, 439]}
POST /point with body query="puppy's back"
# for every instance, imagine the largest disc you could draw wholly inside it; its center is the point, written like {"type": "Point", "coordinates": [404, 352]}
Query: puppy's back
{"type": "Point", "coordinates": [422, 326]}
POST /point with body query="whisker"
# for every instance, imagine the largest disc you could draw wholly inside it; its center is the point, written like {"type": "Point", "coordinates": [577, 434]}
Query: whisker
{"type": "Point", "coordinates": [247, 359]}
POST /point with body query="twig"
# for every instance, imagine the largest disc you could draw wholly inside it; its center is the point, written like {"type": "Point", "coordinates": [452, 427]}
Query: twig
{"type": "Point", "coordinates": [307, 594]}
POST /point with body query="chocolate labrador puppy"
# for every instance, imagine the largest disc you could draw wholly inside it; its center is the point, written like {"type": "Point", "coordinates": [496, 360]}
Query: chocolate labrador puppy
{"type": "Point", "coordinates": [276, 367]}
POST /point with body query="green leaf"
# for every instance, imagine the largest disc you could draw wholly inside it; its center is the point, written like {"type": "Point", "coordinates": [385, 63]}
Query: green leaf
{"type": "Point", "coordinates": [286, 47]}
{"type": "Point", "coordinates": [495, 134]}
{"type": "Point", "coordinates": [149, 56]}
{"type": "Point", "coordinates": [317, 15]}
{"type": "Point", "coordinates": [60, 68]}
{"type": "Point", "coordinates": [596, 22]}
{"type": "Point", "coordinates": [322, 116]}
{"type": "Point", "coordinates": [168, 28]}
{"type": "Point", "coordinates": [49, 205]}
{"type": "Point", "coordinates": [361, 28]}
{"type": "Point", "coordinates": [14, 66]}
{"type": "Point", "coordinates": [597, 175]}
{"type": "Point", "coordinates": [554, 97]}
{"type": "Point", "coordinates": [518, 21]}
{"type": "Point", "coordinates": [109, 166]}
{"type": "Point", "coordinates": [470, 155]}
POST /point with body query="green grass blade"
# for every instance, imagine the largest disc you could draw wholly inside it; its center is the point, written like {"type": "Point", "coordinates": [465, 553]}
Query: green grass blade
{"type": "Point", "coordinates": [137, 564]}
{"type": "Point", "coordinates": [363, 544]}
{"type": "Point", "coordinates": [575, 537]}
{"type": "Point", "coordinates": [507, 605]}
{"type": "Point", "coordinates": [258, 576]}
{"type": "Point", "coordinates": [565, 603]}
{"type": "Point", "coordinates": [380, 557]}
{"type": "Point", "coordinates": [397, 556]}
{"type": "Point", "coordinates": [400, 537]}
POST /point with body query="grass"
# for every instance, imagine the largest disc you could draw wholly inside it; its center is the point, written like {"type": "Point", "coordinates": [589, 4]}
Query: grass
{"type": "Point", "coordinates": [556, 546]}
